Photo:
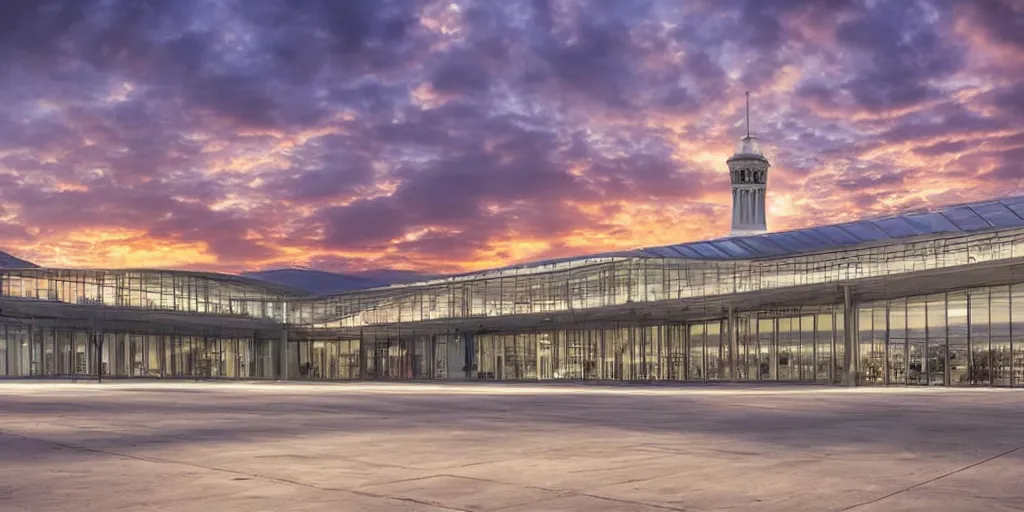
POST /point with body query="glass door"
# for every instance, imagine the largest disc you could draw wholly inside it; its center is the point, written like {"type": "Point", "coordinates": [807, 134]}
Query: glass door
{"type": "Point", "coordinates": [824, 362]}
{"type": "Point", "coordinates": [695, 371]}
{"type": "Point", "coordinates": [898, 361]}
{"type": "Point", "coordinates": [917, 371]}
{"type": "Point", "coordinates": [545, 369]}
{"type": "Point", "coordinates": [980, 371]}
{"type": "Point", "coordinates": [765, 349]}
{"type": "Point", "coordinates": [381, 360]}
{"type": "Point", "coordinates": [715, 358]}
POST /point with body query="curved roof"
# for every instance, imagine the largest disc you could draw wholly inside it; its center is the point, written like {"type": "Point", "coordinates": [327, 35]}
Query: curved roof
{"type": "Point", "coordinates": [154, 272]}
{"type": "Point", "coordinates": [955, 219]}
{"type": "Point", "coordinates": [981, 216]}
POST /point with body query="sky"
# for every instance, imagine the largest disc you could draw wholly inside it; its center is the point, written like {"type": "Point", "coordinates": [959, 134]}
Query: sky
{"type": "Point", "coordinates": [450, 136]}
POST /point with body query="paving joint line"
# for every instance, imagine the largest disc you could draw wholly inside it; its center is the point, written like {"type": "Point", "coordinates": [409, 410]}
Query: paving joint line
{"type": "Point", "coordinates": [933, 479]}
{"type": "Point", "coordinates": [158, 460]}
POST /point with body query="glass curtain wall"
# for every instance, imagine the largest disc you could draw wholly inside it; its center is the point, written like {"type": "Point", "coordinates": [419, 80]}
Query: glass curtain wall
{"type": "Point", "coordinates": [326, 360]}
{"type": "Point", "coordinates": [607, 281]}
{"type": "Point", "coordinates": [970, 337]}
{"type": "Point", "coordinates": [49, 352]}
{"type": "Point", "coordinates": [152, 290]}
{"type": "Point", "coordinates": [802, 347]}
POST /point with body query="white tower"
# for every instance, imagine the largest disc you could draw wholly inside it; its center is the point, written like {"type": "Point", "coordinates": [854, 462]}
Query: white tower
{"type": "Point", "coordinates": [748, 169]}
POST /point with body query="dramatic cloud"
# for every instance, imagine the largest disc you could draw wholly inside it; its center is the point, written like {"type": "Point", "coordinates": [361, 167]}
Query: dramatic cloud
{"type": "Point", "coordinates": [444, 136]}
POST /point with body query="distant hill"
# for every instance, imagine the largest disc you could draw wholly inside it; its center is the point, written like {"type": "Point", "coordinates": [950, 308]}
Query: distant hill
{"type": "Point", "coordinates": [318, 282]}
{"type": "Point", "coordinates": [8, 261]}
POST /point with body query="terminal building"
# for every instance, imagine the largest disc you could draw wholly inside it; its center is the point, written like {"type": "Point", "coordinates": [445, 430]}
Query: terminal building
{"type": "Point", "coordinates": [930, 297]}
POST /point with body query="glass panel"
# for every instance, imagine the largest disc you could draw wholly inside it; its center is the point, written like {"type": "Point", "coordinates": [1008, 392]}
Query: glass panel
{"type": "Point", "coordinates": [664, 252]}
{"type": "Point", "coordinates": [810, 239]}
{"type": "Point", "coordinates": [545, 368]}
{"type": "Point", "coordinates": [695, 370]}
{"type": "Point", "coordinates": [896, 349]}
{"type": "Point", "coordinates": [897, 227]}
{"type": "Point", "coordinates": [766, 349]}
{"type": "Point", "coordinates": [787, 241]}
{"type": "Point", "coordinates": [879, 339]}
{"type": "Point", "coordinates": [707, 250]}
{"type": "Point", "coordinates": [937, 354]}
{"type": "Point", "coordinates": [917, 341]}
{"type": "Point", "coordinates": [965, 219]}
{"type": "Point", "coordinates": [686, 251]}
{"type": "Point", "coordinates": [865, 231]}
{"type": "Point", "coordinates": [653, 347]}
{"type": "Point", "coordinates": [979, 371]}
{"type": "Point", "coordinates": [152, 346]}
{"type": "Point", "coordinates": [871, 320]}
{"type": "Point", "coordinates": [4, 342]}
{"type": "Point", "coordinates": [84, 356]}
{"type": "Point", "coordinates": [957, 329]}
{"type": "Point", "coordinates": [998, 215]}
{"type": "Point", "coordinates": [42, 352]}
{"type": "Point", "coordinates": [999, 331]}
{"type": "Point", "coordinates": [805, 357]}
{"type": "Point", "coordinates": [746, 345]}
{"type": "Point", "coordinates": [716, 359]}
{"type": "Point", "coordinates": [593, 354]}
{"type": "Point", "coordinates": [788, 343]}
{"type": "Point", "coordinates": [731, 248]}
{"type": "Point", "coordinates": [839, 346]}
{"type": "Point", "coordinates": [762, 246]}
{"type": "Point", "coordinates": [836, 235]}
{"type": "Point", "coordinates": [824, 370]}
{"type": "Point", "coordinates": [631, 354]}
{"type": "Point", "coordinates": [1017, 334]}
{"type": "Point", "coordinates": [63, 351]}
{"type": "Point", "coordinates": [1016, 204]}
{"type": "Point", "coordinates": [931, 223]}
{"type": "Point", "coordinates": [675, 355]}
{"type": "Point", "coordinates": [613, 360]}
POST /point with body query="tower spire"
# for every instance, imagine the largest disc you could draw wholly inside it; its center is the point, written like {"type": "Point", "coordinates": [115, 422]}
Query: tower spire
{"type": "Point", "coordinates": [748, 169]}
{"type": "Point", "coordinates": [748, 114]}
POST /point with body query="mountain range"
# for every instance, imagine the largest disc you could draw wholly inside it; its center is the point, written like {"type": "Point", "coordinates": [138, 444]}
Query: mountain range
{"type": "Point", "coordinates": [316, 282]}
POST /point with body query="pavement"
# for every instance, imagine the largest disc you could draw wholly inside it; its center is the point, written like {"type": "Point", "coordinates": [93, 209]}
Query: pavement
{"type": "Point", "coordinates": [197, 447]}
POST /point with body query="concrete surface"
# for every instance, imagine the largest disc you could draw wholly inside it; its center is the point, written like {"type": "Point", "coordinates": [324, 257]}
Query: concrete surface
{"type": "Point", "coordinates": [516, 448]}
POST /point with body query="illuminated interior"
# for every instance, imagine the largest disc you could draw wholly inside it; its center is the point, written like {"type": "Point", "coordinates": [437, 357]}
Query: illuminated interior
{"type": "Point", "coordinates": [924, 298]}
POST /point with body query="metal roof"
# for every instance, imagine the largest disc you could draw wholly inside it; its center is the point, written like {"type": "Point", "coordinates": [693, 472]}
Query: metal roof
{"type": "Point", "coordinates": [955, 219]}
{"type": "Point", "coordinates": [950, 220]}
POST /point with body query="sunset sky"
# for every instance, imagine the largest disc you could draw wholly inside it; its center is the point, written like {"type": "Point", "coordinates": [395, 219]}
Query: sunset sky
{"type": "Point", "coordinates": [458, 135]}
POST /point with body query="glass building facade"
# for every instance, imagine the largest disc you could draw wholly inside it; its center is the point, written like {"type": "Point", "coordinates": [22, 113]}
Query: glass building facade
{"type": "Point", "coordinates": [61, 352]}
{"type": "Point", "coordinates": [927, 298]}
{"type": "Point", "coordinates": [971, 337]}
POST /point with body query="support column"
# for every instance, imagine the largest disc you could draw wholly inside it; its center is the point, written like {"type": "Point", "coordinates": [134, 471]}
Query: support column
{"type": "Point", "coordinates": [734, 209]}
{"type": "Point", "coordinates": [762, 206]}
{"type": "Point", "coordinates": [97, 341]}
{"type": "Point", "coordinates": [31, 351]}
{"type": "Point", "coordinates": [469, 349]}
{"type": "Point", "coordinates": [758, 207]}
{"type": "Point", "coordinates": [850, 336]}
{"type": "Point", "coordinates": [733, 345]}
{"type": "Point", "coordinates": [282, 355]}
{"type": "Point", "coordinates": [746, 207]}
{"type": "Point", "coordinates": [362, 356]}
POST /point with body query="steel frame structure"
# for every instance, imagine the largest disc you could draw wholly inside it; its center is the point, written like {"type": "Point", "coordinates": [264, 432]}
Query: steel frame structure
{"type": "Point", "coordinates": [733, 280]}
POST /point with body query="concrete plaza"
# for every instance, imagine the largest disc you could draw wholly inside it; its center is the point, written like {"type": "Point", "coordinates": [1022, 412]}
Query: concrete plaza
{"type": "Point", "coordinates": [518, 447]}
